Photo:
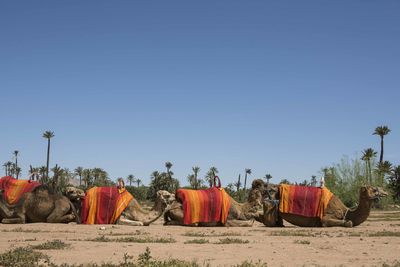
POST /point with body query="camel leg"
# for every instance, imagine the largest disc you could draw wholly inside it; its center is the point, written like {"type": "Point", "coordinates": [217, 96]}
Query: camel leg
{"type": "Point", "coordinates": [330, 222]}
{"type": "Point", "coordinates": [239, 223]}
{"type": "Point", "coordinates": [173, 223]}
{"type": "Point", "coordinates": [60, 213]}
{"type": "Point", "coordinates": [125, 221]}
{"type": "Point", "coordinates": [5, 211]}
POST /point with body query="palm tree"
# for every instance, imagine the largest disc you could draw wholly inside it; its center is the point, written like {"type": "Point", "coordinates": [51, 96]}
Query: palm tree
{"type": "Point", "coordinates": [57, 172]}
{"type": "Point", "coordinates": [383, 169]}
{"type": "Point", "coordinates": [196, 170]}
{"type": "Point", "coordinates": [130, 179]}
{"type": "Point", "coordinates": [210, 176]}
{"type": "Point", "coordinates": [87, 174]}
{"type": "Point", "coordinates": [168, 165]}
{"type": "Point", "coordinates": [268, 177]}
{"type": "Point", "coordinates": [42, 171]}
{"type": "Point", "coordinates": [238, 184]}
{"type": "Point", "coordinates": [381, 131]}
{"type": "Point", "coordinates": [79, 171]}
{"type": "Point", "coordinates": [5, 168]}
{"type": "Point", "coordinates": [247, 172]}
{"type": "Point", "coordinates": [16, 160]}
{"type": "Point", "coordinates": [368, 154]}
{"type": "Point", "coordinates": [138, 182]}
{"type": "Point", "coordinates": [48, 135]}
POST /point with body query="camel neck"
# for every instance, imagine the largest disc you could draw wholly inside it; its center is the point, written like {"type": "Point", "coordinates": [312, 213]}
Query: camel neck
{"type": "Point", "coordinates": [361, 213]}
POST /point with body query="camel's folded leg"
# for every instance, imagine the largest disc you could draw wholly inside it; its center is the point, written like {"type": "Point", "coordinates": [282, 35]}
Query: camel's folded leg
{"type": "Point", "coordinates": [124, 221]}
{"type": "Point", "coordinates": [5, 210]}
{"type": "Point", "coordinates": [56, 218]}
{"type": "Point", "coordinates": [329, 222]}
{"type": "Point", "coordinates": [239, 223]}
{"type": "Point", "coordinates": [13, 220]}
{"type": "Point", "coordinates": [61, 213]}
{"type": "Point", "coordinates": [173, 223]}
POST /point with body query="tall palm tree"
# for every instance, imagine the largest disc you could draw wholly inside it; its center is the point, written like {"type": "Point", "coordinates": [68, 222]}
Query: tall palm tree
{"type": "Point", "coordinates": [381, 131]}
{"type": "Point", "coordinates": [247, 172]}
{"type": "Point", "coordinates": [268, 177]}
{"type": "Point", "coordinates": [5, 168]}
{"type": "Point", "coordinates": [168, 165]}
{"type": "Point", "coordinates": [130, 179]}
{"type": "Point", "coordinates": [196, 170]}
{"type": "Point", "coordinates": [383, 169]}
{"type": "Point", "coordinates": [368, 154]}
{"type": "Point", "coordinates": [138, 182]}
{"type": "Point", "coordinates": [210, 176]}
{"type": "Point", "coordinates": [48, 135]}
{"type": "Point", "coordinates": [79, 171]}
{"type": "Point", "coordinates": [238, 184]}
{"type": "Point", "coordinates": [16, 161]}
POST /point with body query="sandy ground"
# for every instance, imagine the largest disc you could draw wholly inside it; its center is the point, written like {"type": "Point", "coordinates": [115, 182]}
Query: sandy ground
{"type": "Point", "coordinates": [373, 243]}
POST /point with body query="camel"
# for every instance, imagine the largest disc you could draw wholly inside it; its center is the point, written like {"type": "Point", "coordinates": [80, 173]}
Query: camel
{"type": "Point", "coordinates": [40, 205]}
{"type": "Point", "coordinates": [336, 213]}
{"type": "Point", "coordinates": [134, 214]}
{"type": "Point", "coordinates": [239, 214]}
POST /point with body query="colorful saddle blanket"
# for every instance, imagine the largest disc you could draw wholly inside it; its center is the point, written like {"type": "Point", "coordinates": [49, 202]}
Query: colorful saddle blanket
{"type": "Point", "coordinates": [211, 205]}
{"type": "Point", "coordinates": [104, 205]}
{"type": "Point", "coordinates": [306, 201]}
{"type": "Point", "coordinates": [14, 189]}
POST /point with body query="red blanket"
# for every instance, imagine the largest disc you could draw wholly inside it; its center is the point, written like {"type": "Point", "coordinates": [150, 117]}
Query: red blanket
{"type": "Point", "coordinates": [306, 201]}
{"type": "Point", "coordinates": [211, 205]}
{"type": "Point", "coordinates": [14, 189]}
{"type": "Point", "coordinates": [104, 205]}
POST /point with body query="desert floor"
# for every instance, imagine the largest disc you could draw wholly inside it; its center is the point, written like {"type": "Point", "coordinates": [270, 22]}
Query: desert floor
{"type": "Point", "coordinates": [374, 243]}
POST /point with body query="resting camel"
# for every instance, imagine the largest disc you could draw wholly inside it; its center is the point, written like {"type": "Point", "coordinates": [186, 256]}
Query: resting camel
{"type": "Point", "coordinates": [40, 205]}
{"type": "Point", "coordinates": [133, 214]}
{"type": "Point", "coordinates": [336, 213]}
{"type": "Point", "coordinates": [239, 214]}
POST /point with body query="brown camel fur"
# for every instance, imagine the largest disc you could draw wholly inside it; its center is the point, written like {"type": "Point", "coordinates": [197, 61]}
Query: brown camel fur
{"type": "Point", "coordinates": [336, 213]}
{"type": "Point", "coordinates": [40, 205]}
{"type": "Point", "coordinates": [239, 214]}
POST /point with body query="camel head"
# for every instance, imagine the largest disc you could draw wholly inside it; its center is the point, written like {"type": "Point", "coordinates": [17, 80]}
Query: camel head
{"type": "Point", "coordinates": [372, 192]}
{"type": "Point", "coordinates": [166, 198]}
{"type": "Point", "coordinates": [73, 193]}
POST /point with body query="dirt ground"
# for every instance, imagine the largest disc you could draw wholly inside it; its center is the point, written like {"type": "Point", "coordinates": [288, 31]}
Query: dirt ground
{"type": "Point", "coordinates": [373, 243]}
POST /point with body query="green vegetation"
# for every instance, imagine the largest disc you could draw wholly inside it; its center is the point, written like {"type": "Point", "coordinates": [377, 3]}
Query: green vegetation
{"type": "Point", "coordinates": [22, 257]}
{"type": "Point", "coordinates": [197, 241]}
{"type": "Point", "coordinates": [303, 242]}
{"type": "Point", "coordinates": [229, 240]}
{"type": "Point", "coordinates": [54, 244]}
{"type": "Point", "coordinates": [27, 257]}
{"type": "Point", "coordinates": [211, 234]}
{"type": "Point", "coordinates": [132, 239]}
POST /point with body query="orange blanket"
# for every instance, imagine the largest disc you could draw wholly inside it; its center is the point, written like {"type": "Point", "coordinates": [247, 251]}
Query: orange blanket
{"type": "Point", "coordinates": [306, 201]}
{"type": "Point", "coordinates": [14, 189]}
{"type": "Point", "coordinates": [104, 205]}
{"type": "Point", "coordinates": [211, 205]}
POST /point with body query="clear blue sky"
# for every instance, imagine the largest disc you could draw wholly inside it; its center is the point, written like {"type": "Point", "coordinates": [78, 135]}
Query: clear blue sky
{"type": "Point", "coordinates": [281, 87]}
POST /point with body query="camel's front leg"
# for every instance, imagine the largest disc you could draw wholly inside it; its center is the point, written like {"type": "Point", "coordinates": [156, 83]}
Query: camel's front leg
{"type": "Point", "coordinates": [330, 222]}
{"type": "Point", "coordinates": [124, 221]}
{"type": "Point", "coordinates": [239, 223]}
{"type": "Point", "coordinates": [61, 214]}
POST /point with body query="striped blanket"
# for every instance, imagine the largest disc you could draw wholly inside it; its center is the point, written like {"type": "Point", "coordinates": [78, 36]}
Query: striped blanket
{"type": "Point", "coordinates": [306, 201]}
{"type": "Point", "coordinates": [211, 205]}
{"type": "Point", "coordinates": [104, 205]}
{"type": "Point", "coordinates": [14, 189]}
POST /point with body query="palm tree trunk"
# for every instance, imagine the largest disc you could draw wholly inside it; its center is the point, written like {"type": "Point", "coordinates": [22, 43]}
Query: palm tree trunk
{"type": "Point", "coordinates": [245, 182]}
{"type": "Point", "coordinates": [381, 156]}
{"type": "Point", "coordinates": [48, 159]}
{"type": "Point", "coordinates": [80, 180]}
{"type": "Point", "coordinates": [195, 181]}
{"type": "Point", "coordinates": [369, 172]}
